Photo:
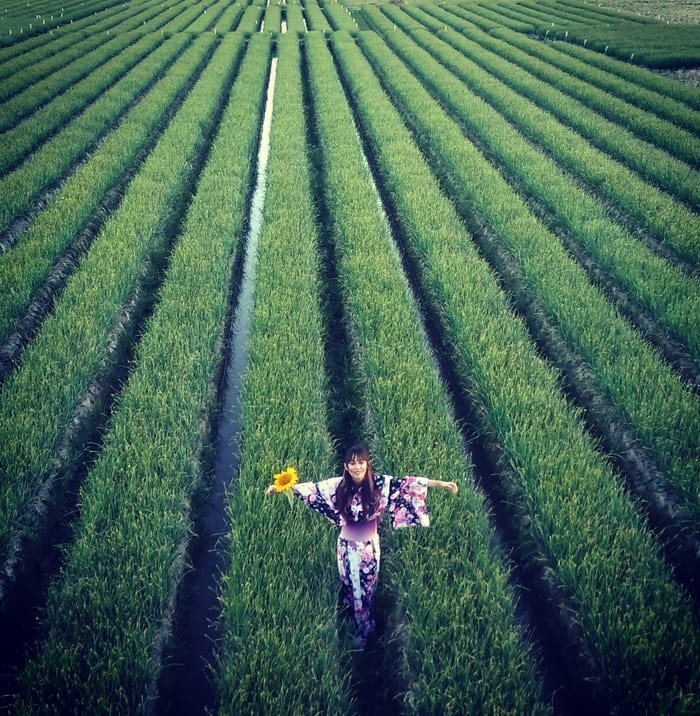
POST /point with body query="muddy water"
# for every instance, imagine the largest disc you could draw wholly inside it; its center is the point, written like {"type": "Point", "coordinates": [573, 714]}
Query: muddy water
{"type": "Point", "coordinates": [189, 689]}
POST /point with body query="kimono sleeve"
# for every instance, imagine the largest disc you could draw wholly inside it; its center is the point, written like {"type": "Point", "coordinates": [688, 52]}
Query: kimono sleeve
{"type": "Point", "coordinates": [320, 496]}
{"type": "Point", "coordinates": [407, 502]}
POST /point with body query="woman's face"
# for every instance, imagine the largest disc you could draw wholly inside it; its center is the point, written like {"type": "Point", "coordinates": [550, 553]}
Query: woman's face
{"type": "Point", "coordinates": [357, 469]}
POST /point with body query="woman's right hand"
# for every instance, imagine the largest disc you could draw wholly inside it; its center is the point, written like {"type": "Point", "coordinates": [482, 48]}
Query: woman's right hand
{"type": "Point", "coordinates": [269, 490]}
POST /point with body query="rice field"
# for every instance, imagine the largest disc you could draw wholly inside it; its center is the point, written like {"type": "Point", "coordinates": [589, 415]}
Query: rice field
{"type": "Point", "coordinates": [464, 233]}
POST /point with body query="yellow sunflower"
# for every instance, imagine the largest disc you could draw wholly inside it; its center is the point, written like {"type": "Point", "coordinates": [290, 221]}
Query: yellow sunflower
{"type": "Point", "coordinates": [286, 479]}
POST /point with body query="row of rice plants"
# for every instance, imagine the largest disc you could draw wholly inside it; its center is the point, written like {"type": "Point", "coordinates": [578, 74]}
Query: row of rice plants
{"type": "Point", "coordinates": [599, 12]}
{"type": "Point", "coordinates": [20, 189]}
{"type": "Point", "coordinates": [577, 523]}
{"type": "Point", "coordinates": [51, 117]}
{"type": "Point", "coordinates": [49, 58]}
{"type": "Point", "coordinates": [26, 52]}
{"type": "Point", "coordinates": [37, 8]}
{"type": "Point", "coordinates": [338, 15]}
{"type": "Point", "coordinates": [25, 267]}
{"type": "Point", "coordinates": [449, 578]}
{"type": "Point", "coordinates": [315, 19]}
{"type": "Point", "coordinates": [272, 21]}
{"type": "Point", "coordinates": [252, 18]}
{"type": "Point", "coordinates": [660, 99]}
{"type": "Point", "coordinates": [109, 611]}
{"type": "Point", "coordinates": [295, 17]}
{"type": "Point", "coordinates": [671, 297]}
{"type": "Point", "coordinates": [39, 398]}
{"type": "Point", "coordinates": [55, 21]}
{"type": "Point", "coordinates": [558, 16]}
{"type": "Point", "coordinates": [647, 114]}
{"type": "Point", "coordinates": [661, 408]}
{"type": "Point", "coordinates": [652, 163]}
{"type": "Point", "coordinates": [279, 651]}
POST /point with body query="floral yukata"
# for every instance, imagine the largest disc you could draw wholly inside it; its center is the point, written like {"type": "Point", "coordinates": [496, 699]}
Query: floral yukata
{"type": "Point", "coordinates": [358, 542]}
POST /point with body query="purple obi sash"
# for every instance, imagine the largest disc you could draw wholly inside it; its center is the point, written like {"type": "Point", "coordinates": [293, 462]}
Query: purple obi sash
{"type": "Point", "coordinates": [359, 531]}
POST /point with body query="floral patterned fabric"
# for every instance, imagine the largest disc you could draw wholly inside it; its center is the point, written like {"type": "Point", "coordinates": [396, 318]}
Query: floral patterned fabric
{"type": "Point", "coordinates": [358, 561]}
{"type": "Point", "coordinates": [358, 568]}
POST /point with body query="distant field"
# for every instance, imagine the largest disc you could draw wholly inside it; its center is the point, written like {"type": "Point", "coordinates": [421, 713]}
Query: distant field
{"type": "Point", "coordinates": [681, 11]}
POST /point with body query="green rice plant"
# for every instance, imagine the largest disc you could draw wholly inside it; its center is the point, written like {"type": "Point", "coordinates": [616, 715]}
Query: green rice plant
{"type": "Point", "coordinates": [488, 19]}
{"type": "Point", "coordinates": [315, 19]}
{"type": "Point", "coordinates": [188, 17]}
{"type": "Point", "coordinates": [661, 408]}
{"type": "Point", "coordinates": [577, 13]}
{"type": "Point", "coordinates": [659, 47]}
{"type": "Point", "coordinates": [670, 296]}
{"type": "Point", "coordinates": [577, 522]}
{"type": "Point", "coordinates": [25, 268]}
{"type": "Point", "coordinates": [653, 164]}
{"type": "Point", "coordinates": [24, 138]}
{"type": "Point", "coordinates": [603, 13]}
{"type": "Point", "coordinates": [71, 29]}
{"type": "Point", "coordinates": [110, 610]}
{"type": "Point", "coordinates": [618, 100]}
{"type": "Point", "coordinates": [514, 13]}
{"type": "Point", "coordinates": [445, 664]}
{"type": "Point", "coordinates": [280, 647]}
{"type": "Point", "coordinates": [35, 406]}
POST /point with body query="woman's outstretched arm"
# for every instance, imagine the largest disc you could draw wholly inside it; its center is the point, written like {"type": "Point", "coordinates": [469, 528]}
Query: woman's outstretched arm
{"type": "Point", "coordinates": [451, 486]}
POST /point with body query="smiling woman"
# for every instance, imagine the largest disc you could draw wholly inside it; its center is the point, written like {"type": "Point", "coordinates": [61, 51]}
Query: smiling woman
{"type": "Point", "coordinates": [355, 502]}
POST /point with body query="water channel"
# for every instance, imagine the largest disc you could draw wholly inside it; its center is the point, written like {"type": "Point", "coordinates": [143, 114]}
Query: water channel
{"type": "Point", "coordinates": [189, 689]}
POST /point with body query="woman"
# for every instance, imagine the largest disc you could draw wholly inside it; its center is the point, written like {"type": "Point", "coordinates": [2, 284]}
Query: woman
{"type": "Point", "coordinates": [355, 502]}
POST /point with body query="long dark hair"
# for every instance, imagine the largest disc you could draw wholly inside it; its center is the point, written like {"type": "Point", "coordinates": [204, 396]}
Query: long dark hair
{"type": "Point", "coordinates": [347, 488]}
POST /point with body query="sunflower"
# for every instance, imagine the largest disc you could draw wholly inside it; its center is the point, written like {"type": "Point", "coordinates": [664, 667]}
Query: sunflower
{"type": "Point", "coordinates": [286, 479]}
